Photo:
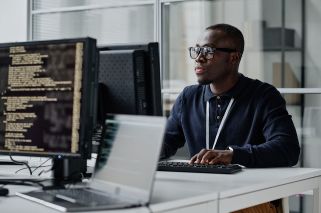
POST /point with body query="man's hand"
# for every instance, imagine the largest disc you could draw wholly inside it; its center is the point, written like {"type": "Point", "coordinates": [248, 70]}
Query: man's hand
{"type": "Point", "coordinates": [210, 156]}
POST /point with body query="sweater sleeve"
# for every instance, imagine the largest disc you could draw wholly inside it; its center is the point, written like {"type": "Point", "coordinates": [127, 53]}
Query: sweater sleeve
{"type": "Point", "coordinates": [174, 136]}
{"type": "Point", "coordinates": [281, 145]}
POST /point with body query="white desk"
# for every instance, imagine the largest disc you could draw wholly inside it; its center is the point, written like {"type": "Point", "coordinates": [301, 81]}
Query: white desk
{"type": "Point", "coordinates": [252, 186]}
{"type": "Point", "coordinates": [168, 197]}
{"type": "Point", "coordinates": [215, 193]}
{"type": "Point", "coordinates": [173, 195]}
{"type": "Point", "coordinates": [179, 201]}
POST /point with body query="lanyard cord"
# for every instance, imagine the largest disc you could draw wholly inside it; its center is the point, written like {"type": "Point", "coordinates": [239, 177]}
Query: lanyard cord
{"type": "Point", "coordinates": [227, 111]}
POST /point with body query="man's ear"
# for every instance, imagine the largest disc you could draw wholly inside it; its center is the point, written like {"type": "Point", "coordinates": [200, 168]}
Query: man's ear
{"type": "Point", "coordinates": [235, 57]}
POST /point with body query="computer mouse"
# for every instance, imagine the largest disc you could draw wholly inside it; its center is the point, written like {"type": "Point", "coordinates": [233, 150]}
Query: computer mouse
{"type": "Point", "coordinates": [4, 191]}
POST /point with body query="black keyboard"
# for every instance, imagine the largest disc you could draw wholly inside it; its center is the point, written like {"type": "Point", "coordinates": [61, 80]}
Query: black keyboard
{"type": "Point", "coordinates": [201, 168]}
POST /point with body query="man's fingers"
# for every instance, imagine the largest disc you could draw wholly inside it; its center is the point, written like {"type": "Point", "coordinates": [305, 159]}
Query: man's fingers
{"type": "Point", "coordinates": [200, 155]}
{"type": "Point", "coordinates": [222, 158]}
{"type": "Point", "coordinates": [216, 160]}
{"type": "Point", "coordinates": [208, 156]}
{"type": "Point", "coordinates": [193, 159]}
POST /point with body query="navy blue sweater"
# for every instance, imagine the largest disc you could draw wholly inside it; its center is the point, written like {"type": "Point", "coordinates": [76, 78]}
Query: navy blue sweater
{"type": "Point", "coordinates": [258, 127]}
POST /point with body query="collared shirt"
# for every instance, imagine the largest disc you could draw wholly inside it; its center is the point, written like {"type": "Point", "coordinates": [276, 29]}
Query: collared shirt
{"type": "Point", "coordinates": [258, 126]}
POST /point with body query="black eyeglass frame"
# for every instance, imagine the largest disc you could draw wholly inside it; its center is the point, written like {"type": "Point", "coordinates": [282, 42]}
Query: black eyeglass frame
{"type": "Point", "coordinates": [209, 50]}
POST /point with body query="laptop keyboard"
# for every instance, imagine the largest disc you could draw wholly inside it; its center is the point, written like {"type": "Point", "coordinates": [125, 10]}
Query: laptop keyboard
{"type": "Point", "coordinates": [198, 168]}
{"type": "Point", "coordinates": [83, 196]}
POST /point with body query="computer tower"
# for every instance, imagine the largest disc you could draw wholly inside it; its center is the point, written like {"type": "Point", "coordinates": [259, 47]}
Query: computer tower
{"type": "Point", "coordinates": [122, 82]}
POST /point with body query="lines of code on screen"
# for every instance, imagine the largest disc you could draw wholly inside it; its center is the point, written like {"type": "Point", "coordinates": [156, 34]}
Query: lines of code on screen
{"type": "Point", "coordinates": [40, 89]}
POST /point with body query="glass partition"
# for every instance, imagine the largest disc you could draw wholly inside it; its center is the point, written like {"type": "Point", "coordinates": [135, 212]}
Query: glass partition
{"type": "Point", "coordinates": [273, 43]}
{"type": "Point", "coordinates": [107, 25]}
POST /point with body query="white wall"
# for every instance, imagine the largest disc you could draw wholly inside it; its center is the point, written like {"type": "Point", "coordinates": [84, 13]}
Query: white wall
{"type": "Point", "coordinates": [13, 20]}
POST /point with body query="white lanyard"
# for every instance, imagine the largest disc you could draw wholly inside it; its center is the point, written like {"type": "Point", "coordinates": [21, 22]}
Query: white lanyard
{"type": "Point", "coordinates": [227, 111]}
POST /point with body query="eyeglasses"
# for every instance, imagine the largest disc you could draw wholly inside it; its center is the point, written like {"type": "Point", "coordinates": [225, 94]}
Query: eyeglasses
{"type": "Point", "coordinates": [207, 52]}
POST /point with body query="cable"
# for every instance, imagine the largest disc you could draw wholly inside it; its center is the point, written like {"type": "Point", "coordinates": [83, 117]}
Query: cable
{"type": "Point", "coordinates": [36, 167]}
{"type": "Point", "coordinates": [41, 165]}
{"type": "Point", "coordinates": [45, 171]}
{"type": "Point", "coordinates": [21, 163]}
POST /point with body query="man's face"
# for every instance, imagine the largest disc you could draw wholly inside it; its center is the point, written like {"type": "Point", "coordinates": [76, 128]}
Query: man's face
{"type": "Point", "coordinates": [219, 66]}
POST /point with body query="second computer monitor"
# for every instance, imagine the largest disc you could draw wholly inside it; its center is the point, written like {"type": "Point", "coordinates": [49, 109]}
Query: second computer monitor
{"type": "Point", "coordinates": [129, 80]}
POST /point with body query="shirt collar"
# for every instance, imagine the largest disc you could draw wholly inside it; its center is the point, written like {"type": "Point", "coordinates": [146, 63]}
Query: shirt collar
{"type": "Point", "coordinates": [233, 92]}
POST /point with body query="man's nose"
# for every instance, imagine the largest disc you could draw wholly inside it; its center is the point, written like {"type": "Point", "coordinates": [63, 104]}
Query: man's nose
{"type": "Point", "coordinates": [200, 58]}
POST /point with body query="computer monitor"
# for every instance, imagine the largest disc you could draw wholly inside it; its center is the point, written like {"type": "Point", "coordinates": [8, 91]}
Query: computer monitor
{"type": "Point", "coordinates": [129, 79]}
{"type": "Point", "coordinates": [47, 97]}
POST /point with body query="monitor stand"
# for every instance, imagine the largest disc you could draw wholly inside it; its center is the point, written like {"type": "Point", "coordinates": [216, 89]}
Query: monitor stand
{"type": "Point", "coordinates": [68, 170]}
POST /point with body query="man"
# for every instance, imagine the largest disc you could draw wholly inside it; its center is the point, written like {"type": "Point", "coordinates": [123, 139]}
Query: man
{"type": "Point", "coordinates": [229, 118]}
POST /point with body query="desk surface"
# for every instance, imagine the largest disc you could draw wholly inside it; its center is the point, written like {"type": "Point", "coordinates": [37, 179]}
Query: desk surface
{"type": "Point", "coordinates": [249, 187]}
{"type": "Point", "coordinates": [188, 192]}
{"type": "Point", "coordinates": [245, 181]}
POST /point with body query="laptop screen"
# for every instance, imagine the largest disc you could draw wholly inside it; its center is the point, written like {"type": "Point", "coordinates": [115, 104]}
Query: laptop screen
{"type": "Point", "coordinates": [130, 150]}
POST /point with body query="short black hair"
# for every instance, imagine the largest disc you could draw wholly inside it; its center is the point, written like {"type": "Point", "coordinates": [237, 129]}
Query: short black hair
{"type": "Point", "coordinates": [232, 33]}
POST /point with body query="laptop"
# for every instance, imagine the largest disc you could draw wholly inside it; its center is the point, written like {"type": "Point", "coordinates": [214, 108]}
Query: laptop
{"type": "Point", "coordinates": [124, 172]}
